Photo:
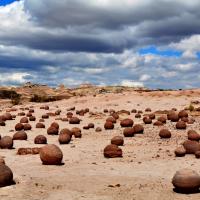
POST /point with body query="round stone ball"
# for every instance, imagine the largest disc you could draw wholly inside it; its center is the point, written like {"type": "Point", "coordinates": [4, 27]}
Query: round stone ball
{"type": "Point", "coordinates": [117, 140]}
{"type": "Point", "coordinates": [181, 125]}
{"type": "Point", "coordinates": [19, 127]}
{"type": "Point", "coordinates": [128, 132]}
{"type": "Point", "coordinates": [66, 131]}
{"type": "Point", "coordinates": [148, 110]}
{"type": "Point", "coordinates": [191, 146]}
{"type": "Point", "coordinates": [133, 111]}
{"type": "Point", "coordinates": [138, 115]}
{"type": "Point", "coordinates": [40, 139]}
{"type": "Point", "coordinates": [182, 114]}
{"type": "Point", "coordinates": [147, 120]}
{"type": "Point", "coordinates": [158, 123]}
{"type": "Point", "coordinates": [165, 133]}
{"type": "Point", "coordinates": [64, 138]}
{"type": "Point", "coordinates": [55, 125]}
{"type": "Point", "coordinates": [126, 123]}
{"type": "Point", "coordinates": [20, 135]}
{"type": "Point", "coordinates": [109, 125]}
{"type": "Point", "coordinates": [152, 116]}
{"type": "Point", "coordinates": [24, 120]}
{"type": "Point", "coordinates": [32, 118]}
{"type": "Point", "coordinates": [180, 151]}
{"type": "Point", "coordinates": [52, 131]}
{"type": "Point", "coordinates": [2, 123]}
{"type": "Point", "coordinates": [6, 176]}
{"type": "Point", "coordinates": [162, 119]}
{"type": "Point", "coordinates": [173, 117]}
{"type": "Point", "coordinates": [112, 151]}
{"type": "Point", "coordinates": [7, 116]}
{"type": "Point", "coordinates": [138, 128]}
{"type": "Point", "coordinates": [111, 119]}
{"type": "Point", "coordinates": [76, 132]}
{"type": "Point", "coordinates": [186, 181]}
{"type": "Point", "coordinates": [91, 125]}
{"type": "Point", "coordinates": [27, 127]}
{"type": "Point", "coordinates": [40, 125]}
{"type": "Point", "coordinates": [6, 142]}
{"type": "Point", "coordinates": [193, 135]}
{"type": "Point", "coordinates": [98, 129]}
{"type": "Point", "coordinates": [51, 155]}
{"type": "Point", "coordinates": [45, 116]}
{"type": "Point", "coordinates": [197, 154]}
{"type": "Point", "coordinates": [74, 120]}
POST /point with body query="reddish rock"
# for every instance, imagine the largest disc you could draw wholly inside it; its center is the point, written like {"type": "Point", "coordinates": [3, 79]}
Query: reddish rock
{"type": "Point", "coordinates": [162, 119]}
{"type": "Point", "coordinates": [40, 139]}
{"type": "Point", "coordinates": [74, 120]}
{"type": "Point", "coordinates": [111, 119]}
{"type": "Point", "coordinates": [158, 123]}
{"type": "Point", "coordinates": [108, 125]}
{"type": "Point", "coordinates": [90, 125]}
{"type": "Point", "coordinates": [52, 131]}
{"type": "Point", "coordinates": [51, 155]}
{"type": "Point", "coordinates": [19, 127]}
{"type": "Point", "coordinates": [147, 120]}
{"type": "Point", "coordinates": [181, 125]}
{"type": "Point", "coordinates": [20, 135]}
{"type": "Point", "coordinates": [45, 116]}
{"type": "Point", "coordinates": [40, 125]}
{"type": "Point", "coordinates": [66, 131]}
{"type": "Point", "coordinates": [191, 146]}
{"type": "Point", "coordinates": [138, 128]}
{"type": "Point", "coordinates": [6, 142]}
{"type": "Point", "coordinates": [165, 133]}
{"type": "Point", "coordinates": [152, 116]}
{"type": "Point", "coordinates": [32, 118]}
{"type": "Point", "coordinates": [98, 129]}
{"type": "Point", "coordinates": [76, 132]}
{"type": "Point", "coordinates": [186, 181]}
{"type": "Point", "coordinates": [64, 138]}
{"type": "Point", "coordinates": [55, 125]}
{"type": "Point", "coordinates": [112, 151]}
{"type": "Point", "coordinates": [6, 176]}
{"type": "Point", "coordinates": [180, 151]}
{"type": "Point", "coordinates": [126, 123]}
{"type": "Point", "coordinates": [128, 132]}
{"type": "Point", "coordinates": [138, 115]}
{"type": "Point", "coordinates": [117, 140]}
{"type": "Point", "coordinates": [148, 110]}
{"type": "Point", "coordinates": [27, 127]}
{"type": "Point", "coordinates": [182, 114]}
{"type": "Point", "coordinates": [193, 135]}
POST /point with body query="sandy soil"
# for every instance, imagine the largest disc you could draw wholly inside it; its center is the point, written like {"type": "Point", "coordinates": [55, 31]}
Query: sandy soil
{"type": "Point", "coordinates": [144, 172]}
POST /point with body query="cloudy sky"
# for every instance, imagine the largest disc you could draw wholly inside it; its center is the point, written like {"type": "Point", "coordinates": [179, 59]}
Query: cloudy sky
{"type": "Point", "coordinates": [152, 43]}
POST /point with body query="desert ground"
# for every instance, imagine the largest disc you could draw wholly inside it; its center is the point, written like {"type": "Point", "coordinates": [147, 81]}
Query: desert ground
{"type": "Point", "coordinates": [144, 172]}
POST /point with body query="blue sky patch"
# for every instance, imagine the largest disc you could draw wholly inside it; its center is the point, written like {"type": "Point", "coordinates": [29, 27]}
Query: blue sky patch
{"type": "Point", "coordinates": [5, 2]}
{"type": "Point", "coordinates": [153, 50]}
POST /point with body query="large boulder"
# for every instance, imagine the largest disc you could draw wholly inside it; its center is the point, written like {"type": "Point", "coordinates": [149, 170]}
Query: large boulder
{"type": "Point", "coordinates": [6, 142]}
{"type": "Point", "coordinates": [6, 176]}
{"type": "Point", "coordinates": [117, 140]}
{"type": "Point", "coordinates": [112, 151]}
{"type": "Point", "coordinates": [126, 123]}
{"type": "Point", "coordinates": [186, 181]}
{"type": "Point", "coordinates": [20, 135]}
{"type": "Point", "coordinates": [51, 155]}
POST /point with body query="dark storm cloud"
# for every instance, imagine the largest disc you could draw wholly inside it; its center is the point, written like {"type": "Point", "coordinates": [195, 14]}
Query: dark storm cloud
{"type": "Point", "coordinates": [149, 18]}
{"type": "Point", "coordinates": [91, 26]}
{"type": "Point", "coordinates": [17, 62]}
